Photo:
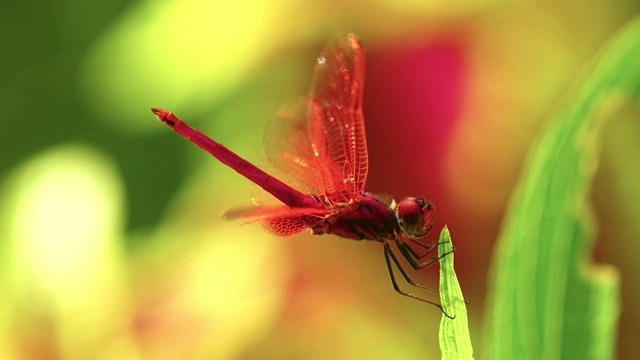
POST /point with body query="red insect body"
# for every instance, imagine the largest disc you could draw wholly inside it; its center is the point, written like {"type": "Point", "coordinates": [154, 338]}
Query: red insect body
{"type": "Point", "coordinates": [321, 143]}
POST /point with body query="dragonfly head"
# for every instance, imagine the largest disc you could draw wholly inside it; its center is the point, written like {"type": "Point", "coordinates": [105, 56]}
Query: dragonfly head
{"type": "Point", "coordinates": [415, 216]}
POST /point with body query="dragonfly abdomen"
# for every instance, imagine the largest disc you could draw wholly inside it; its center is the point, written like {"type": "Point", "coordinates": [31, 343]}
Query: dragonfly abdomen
{"type": "Point", "coordinates": [283, 192]}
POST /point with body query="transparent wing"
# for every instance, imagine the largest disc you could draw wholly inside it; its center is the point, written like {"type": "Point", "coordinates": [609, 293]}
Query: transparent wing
{"type": "Point", "coordinates": [289, 152]}
{"type": "Point", "coordinates": [280, 220]}
{"type": "Point", "coordinates": [336, 124]}
{"type": "Point", "coordinates": [319, 142]}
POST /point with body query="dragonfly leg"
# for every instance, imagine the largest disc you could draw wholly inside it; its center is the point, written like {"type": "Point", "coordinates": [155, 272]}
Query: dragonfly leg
{"type": "Point", "coordinates": [408, 254]}
{"type": "Point", "coordinates": [426, 246]}
{"type": "Point", "coordinates": [421, 243]}
{"type": "Point", "coordinates": [388, 254]}
{"type": "Point", "coordinates": [393, 257]}
{"type": "Point", "coordinates": [414, 253]}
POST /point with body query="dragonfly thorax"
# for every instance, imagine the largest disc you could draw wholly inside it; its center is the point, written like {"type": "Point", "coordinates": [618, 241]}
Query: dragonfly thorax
{"type": "Point", "coordinates": [415, 216]}
{"type": "Point", "coordinates": [366, 218]}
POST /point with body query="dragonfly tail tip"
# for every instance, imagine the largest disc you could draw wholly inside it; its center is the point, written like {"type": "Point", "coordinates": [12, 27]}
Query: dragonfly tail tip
{"type": "Point", "coordinates": [161, 114]}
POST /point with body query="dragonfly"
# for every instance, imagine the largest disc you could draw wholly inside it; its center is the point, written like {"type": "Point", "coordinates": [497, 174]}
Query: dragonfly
{"type": "Point", "coordinates": [320, 143]}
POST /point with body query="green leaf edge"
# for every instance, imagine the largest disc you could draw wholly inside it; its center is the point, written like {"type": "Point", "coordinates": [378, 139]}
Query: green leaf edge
{"type": "Point", "coordinates": [454, 339]}
{"type": "Point", "coordinates": [613, 80]}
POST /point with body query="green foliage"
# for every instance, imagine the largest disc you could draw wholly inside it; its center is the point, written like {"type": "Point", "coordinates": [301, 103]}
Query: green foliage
{"type": "Point", "coordinates": [547, 300]}
{"type": "Point", "coordinates": [455, 342]}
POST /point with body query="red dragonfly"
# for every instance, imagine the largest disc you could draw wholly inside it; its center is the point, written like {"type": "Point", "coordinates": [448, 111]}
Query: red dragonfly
{"type": "Point", "coordinates": [320, 143]}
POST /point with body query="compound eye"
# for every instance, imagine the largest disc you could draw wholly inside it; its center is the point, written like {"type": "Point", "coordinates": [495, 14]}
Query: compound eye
{"type": "Point", "coordinates": [415, 216]}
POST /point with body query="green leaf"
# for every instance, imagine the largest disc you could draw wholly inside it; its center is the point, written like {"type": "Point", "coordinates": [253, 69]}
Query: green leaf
{"type": "Point", "coordinates": [547, 300]}
{"type": "Point", "coordinates": [454, 339]}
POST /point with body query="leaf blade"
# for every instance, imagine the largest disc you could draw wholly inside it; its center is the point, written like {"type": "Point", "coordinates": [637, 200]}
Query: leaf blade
{"type": "Point", "coordinates": [454, 339]}
{"type": "Point", "coordinates": [546, 299]}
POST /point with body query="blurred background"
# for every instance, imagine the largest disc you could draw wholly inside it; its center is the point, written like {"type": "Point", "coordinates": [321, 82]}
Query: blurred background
{"type": "Point", "coordinates": [112, 244]}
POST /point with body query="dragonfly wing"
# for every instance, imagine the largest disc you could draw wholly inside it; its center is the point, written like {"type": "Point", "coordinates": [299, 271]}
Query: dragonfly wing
{"type": "Point", "coordinates": [280, 220]}
{"type": "Point", "coordinates": [317, 144]}
{"type": "Point", "coordinates": [336, 123]}
{"type": "Point", "coordinates": [289, 151]}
